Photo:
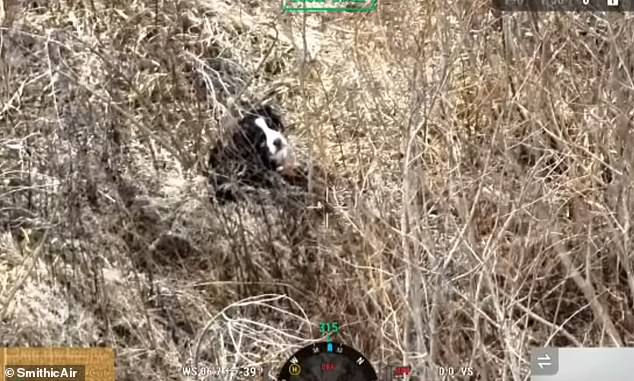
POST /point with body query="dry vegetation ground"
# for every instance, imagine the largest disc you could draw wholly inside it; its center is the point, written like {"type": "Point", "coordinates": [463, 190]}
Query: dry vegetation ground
{"type": "Point", "coordinates": [482, 188]}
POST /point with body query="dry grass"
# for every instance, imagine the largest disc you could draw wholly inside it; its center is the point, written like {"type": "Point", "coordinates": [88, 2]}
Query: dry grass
{"type": "Point", "coordinates": [482, 194]}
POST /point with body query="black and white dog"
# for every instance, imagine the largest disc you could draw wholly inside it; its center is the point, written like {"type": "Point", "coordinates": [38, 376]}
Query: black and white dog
{"type": "Point", "coordinates": [253, 156]}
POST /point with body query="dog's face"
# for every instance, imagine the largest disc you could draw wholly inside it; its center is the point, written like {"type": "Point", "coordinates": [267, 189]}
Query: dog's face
{"type": "Point", "coordinates": [264, 131]}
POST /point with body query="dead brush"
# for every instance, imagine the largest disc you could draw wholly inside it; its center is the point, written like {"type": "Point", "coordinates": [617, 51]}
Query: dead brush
{"type": "Point", "coordinates": [478, 166]}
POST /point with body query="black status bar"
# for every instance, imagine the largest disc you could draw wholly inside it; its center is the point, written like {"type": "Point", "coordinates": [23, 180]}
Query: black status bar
{"type": "Point", "coordinates": [564, 5]}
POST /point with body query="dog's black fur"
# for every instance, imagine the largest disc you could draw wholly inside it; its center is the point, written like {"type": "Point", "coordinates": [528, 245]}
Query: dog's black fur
{"type": "Point", "coordinates": [244, 159]}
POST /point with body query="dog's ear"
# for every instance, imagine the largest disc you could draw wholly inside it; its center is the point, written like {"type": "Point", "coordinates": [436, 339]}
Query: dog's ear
{"type": "Point", "coordinates": [265, 110]}
{"type": "Point", "coordinates": [273, 116]}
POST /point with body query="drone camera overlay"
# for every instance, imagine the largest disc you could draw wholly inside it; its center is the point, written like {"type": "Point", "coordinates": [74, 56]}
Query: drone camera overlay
{"type": "Point", "coordinates": [316, 190]}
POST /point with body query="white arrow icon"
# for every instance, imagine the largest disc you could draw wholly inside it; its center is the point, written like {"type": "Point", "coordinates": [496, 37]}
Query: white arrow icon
{"type": "Point", "coordinates": [545, 357]}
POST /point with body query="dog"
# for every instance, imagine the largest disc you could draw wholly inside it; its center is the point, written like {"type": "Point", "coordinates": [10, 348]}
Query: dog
{"type": "Point", "coordinates": [254, 155]}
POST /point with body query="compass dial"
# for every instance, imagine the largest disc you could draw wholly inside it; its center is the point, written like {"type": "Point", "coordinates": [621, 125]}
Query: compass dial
{"type": "Point", "coordinates": [327, 361]}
